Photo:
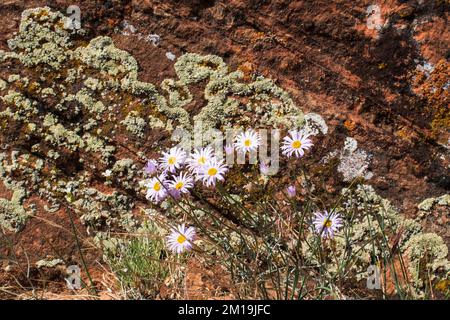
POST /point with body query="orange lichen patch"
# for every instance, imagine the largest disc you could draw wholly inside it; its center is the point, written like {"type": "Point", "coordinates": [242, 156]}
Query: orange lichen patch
{"type": "Point", "coordinates": [41, 14]}
{"type": "Point", "coordinates": [441, 121]}
{"type": "Point", "coordinates": [406, 133]}
{"type": "Point", "coordinates": [443, 286]}
{"type": "Point", "coordinates": [434, 88]}
{"type": "Point", "coordinates": [111, 22]}
{"type": "Point", "coordinates": [60, 24]}
{"type": "Point", "coordinates": [258, 36]}
{"type": "Point", "coordinates": [247, 69]}
{"type": "Point", "coordinates": [382, 66]}
{"type": "Point", "coordinates": [33, 87]}
{"type": "Point", "coordinates": [349, 125]}
{"type": "Point", "coordinates": [250, 35]}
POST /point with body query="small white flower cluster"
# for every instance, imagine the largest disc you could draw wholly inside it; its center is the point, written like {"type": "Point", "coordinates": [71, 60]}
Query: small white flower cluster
{"type": "Point", "coordinates": [176, 173]}
{"type": "Point", "coordinates": [294, 144]}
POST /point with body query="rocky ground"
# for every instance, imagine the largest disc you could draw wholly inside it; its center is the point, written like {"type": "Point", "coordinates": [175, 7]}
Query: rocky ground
{"type": "Point", "coordinates": [387, 89]}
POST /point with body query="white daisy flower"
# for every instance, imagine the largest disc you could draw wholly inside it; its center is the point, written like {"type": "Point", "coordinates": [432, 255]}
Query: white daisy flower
{"type": "Point", "coordinates": [212, 171]}
{"type": "Point", "coordinates": [327, 224]}
{"type": "Point", "coordinates": [156, 190]}
{"type": "Point", "coordinates": [182, 183]}
{"type": "Point", "coordinates": [199, 157]}
{"type": "Point", "coordinates": [247, 141]}
{"type": "Point", "coordinates": [296, 143]}
{"type": "Point", "coordinates": [172, 160]}
{"type": "Point", "coordinates": [181, 239]}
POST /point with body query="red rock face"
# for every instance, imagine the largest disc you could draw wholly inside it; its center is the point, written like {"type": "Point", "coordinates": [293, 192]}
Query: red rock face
{"type": "Point", "coordinates": [365, 83]}
{"type": "Point", "coordinates": [323, 55]}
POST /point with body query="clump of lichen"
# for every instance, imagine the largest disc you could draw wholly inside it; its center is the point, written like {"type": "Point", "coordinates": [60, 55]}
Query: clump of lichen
{"type": "Point", "coordinates": [427, 254]}
{"type": "Point", "coordinates": [134, 124]}
{"type": "Point", "coordinates": [48, 263]}
{"type": "Point", "coordinates": [353, 162]}
{"type": "Point", "coordinates": [427, 204]}
{"type": "Point", "coordinates": [12, 214]}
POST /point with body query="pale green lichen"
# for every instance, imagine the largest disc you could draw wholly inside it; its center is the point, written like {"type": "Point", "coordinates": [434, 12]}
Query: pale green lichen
{"type": "Point", "coordinates": [134, 124]}
{"type": "Point", "coordinates": [3, 84]}
{"type": "Point", "coordinates": [48, 263]}
{"type": "Point", "coordinates": [179, 94]}
{"type": "Point", "coordinates": [104, 211]}
{"type": "Point", "coordinates": [101, 54]}
{"type": "Point", "coordinates": [156, 123]}
{"type": "Point", "coordinates": [61, 136]}
{"type": "Point", "coordinates": [12, 214]}
{"type": "Point", "coordinates": [93, 106]}
{"type": "Point", "coordinates": [124, 170]}
{"type": "Point", "coordinates": [272, 105]}
{"type": "Point", "coordinates": [24, 108]}
{"type": "Point", "coordinates": [276, 107]}
{"type": "Point", "coordinates": [98, 146]}
{"type": "Point", "coordinates": [47, 92]}
{"type": "Point", "coordinates": [13, 78]}
{"type": "Point", "coordinates": [42, 39]}
{"type": "Point", "coordinates": [192, 68]}
{"type": "Point", "coordinates": [427, 254]}
{"type": "Point", "coordinates": [353, 162]}
{"type": "Point", "coordinates": [428, 204]}
{"type": "Point", "coordinates": [93, 84]}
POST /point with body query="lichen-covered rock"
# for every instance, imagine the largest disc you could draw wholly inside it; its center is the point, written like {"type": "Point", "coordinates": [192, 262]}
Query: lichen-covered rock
{"type": "Point", "coordinates": [79, 100]}
{"type": "Point", "coordinates": [12, 214]}
{"type": "Point", "coordinates": [427, 254]}
{"type": "Point", "coordinates": [427, 204]}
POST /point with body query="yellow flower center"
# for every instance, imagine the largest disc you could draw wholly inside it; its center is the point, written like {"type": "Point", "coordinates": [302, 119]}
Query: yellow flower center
{"type": "Point", "coordinates": [181, 239]}
{"type": "Point", "coordinates": [212, 171]}
{"type": "Point", "coordinates": [247, 142]}
{"type": "Point", "coordinates": [201, 160]}
{"type": "Point", "coordinates": [171, 160]}
{"type": "Point", "coordinates": [296, 144]}
{"type": "Point", "coordinates": [157, 186]}
{"type": "Point", "coordinates": [327, 223]}
{"type": "Point", "coordinates": [179, 185]}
